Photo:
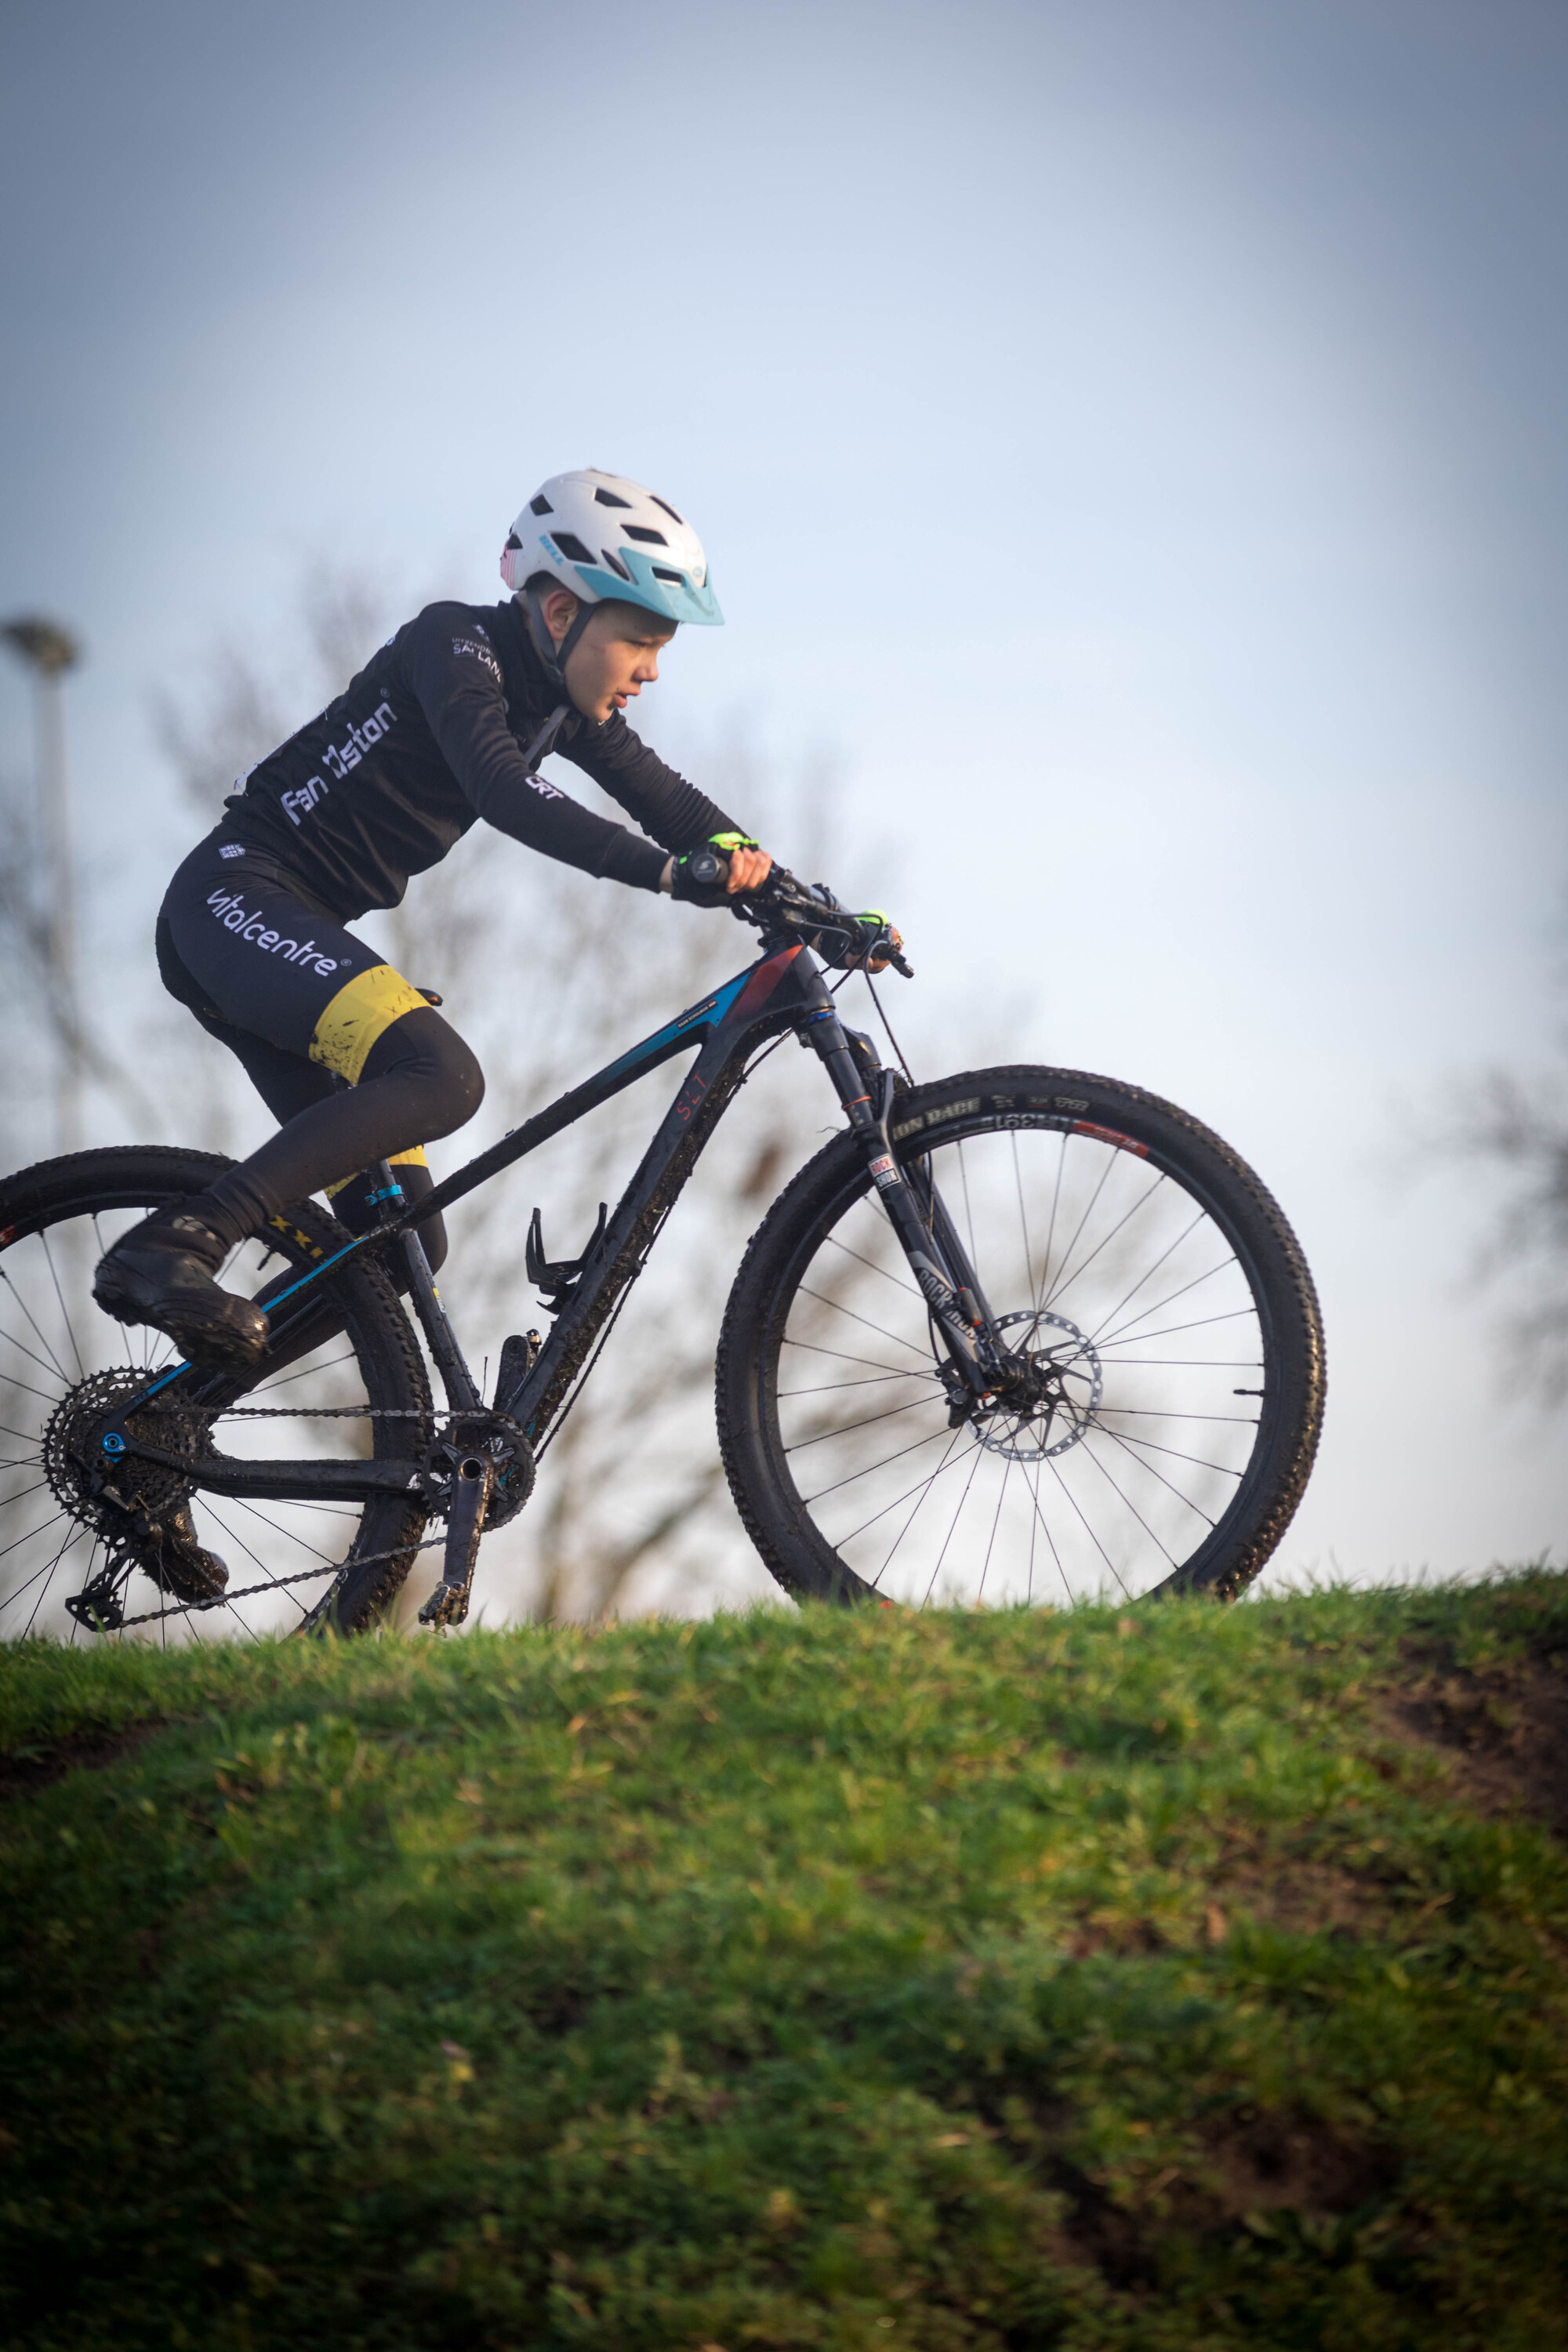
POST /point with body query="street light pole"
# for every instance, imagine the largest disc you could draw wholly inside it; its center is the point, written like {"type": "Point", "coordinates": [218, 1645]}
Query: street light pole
{"type": "Point", "coordinates": [49, 652]}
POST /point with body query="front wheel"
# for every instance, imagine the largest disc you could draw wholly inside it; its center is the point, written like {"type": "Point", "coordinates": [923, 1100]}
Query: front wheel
{"type": "Point", "coordinates": [1129, 1259]}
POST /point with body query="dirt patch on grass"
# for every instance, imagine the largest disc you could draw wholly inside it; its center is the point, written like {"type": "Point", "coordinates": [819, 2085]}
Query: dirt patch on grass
{"type": "Point", "coordinates": [1503, 1730]}
{"type": "Point", "coordinates": [1247, 2164]}
{"type": "Point", "coordinates": [27, 1770]}
{"type": "Point", "coordinates": [1303, 1897]}
{"type": "Point", "coordinates": [1260, 2162]}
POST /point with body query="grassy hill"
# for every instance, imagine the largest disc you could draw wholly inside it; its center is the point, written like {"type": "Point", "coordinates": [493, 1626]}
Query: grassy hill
{"type": "Point", "coordinates": [1165, 1979]}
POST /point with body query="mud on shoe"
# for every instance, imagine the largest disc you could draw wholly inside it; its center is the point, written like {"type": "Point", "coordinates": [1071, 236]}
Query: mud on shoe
{"type": "Point", "coordinates": [162, 1273]}
{"type": "Point", "coordinates": [191, 1571]}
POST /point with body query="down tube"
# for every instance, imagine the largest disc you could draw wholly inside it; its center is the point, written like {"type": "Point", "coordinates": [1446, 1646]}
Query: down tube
{"type": "Point", "coordinates": [775, 998]}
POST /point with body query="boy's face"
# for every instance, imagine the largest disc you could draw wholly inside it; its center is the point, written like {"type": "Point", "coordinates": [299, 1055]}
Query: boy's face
{"type": "Point", "coordinates": [615, 656]}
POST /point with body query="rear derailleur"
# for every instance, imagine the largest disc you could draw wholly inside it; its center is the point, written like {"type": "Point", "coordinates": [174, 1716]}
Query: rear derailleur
{"type": "Point", "coordinates": [165, 1549]}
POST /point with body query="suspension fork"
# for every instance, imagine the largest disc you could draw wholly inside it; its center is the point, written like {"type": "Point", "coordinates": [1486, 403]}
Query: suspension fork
{"type": "Point", "coordinates": [926, 1232]}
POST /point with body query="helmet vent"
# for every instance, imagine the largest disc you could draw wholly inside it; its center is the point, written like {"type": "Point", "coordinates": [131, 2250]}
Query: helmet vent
{"type": "Point", "coordinates": [648, 538]}
{"type": "Point", "coordinates": [676, 579]}
{"type": "Point", "coordinates": [669, 510]}
{"type": "Point", "coordinates": [615, 564]}
{"type": "Point", "coordinates": [540, 505]}
{"type": "Point", "coordinates": [512, 541]}
{"type": "Point", "coordinates": [608, 498]}
{"type": "Point", "coordinates": [572, 547]}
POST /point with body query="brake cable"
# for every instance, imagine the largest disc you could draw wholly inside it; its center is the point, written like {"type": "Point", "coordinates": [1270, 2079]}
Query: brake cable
{"type": "Point", "coordinates": [888, 1025]}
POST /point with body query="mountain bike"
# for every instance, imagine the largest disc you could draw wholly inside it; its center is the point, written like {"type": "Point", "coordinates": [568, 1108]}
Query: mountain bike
{"type": "Point", "coordinates": [1014, 1337]}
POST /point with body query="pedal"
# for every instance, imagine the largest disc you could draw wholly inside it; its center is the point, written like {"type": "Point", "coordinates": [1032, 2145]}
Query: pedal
{"type": "Point", "coordinates": [556, 1279]}
{"type": "Point", "coordinates": [518, 1355]}
{"type": "Point", "coordinates": [473, 1476]}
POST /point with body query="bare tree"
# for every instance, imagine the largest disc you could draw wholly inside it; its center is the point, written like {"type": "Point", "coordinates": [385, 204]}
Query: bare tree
{"type": "Point", "coordinates": [1512, 1127]}
{"type": "Point", "coordinates": [550, 975]}
{"type": "Point", "coordinates": [1519, 1131]}
{"type": "Point", "coordinates": [53, 1029]}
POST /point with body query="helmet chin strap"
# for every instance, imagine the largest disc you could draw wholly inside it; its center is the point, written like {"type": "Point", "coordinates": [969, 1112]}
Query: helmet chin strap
{"type": "Point", "coordinates": [552, 656]}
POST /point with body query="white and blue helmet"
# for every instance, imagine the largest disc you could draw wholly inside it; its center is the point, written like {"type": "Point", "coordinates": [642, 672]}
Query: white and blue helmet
{"type": "Point", "coordinates": [602, 538]}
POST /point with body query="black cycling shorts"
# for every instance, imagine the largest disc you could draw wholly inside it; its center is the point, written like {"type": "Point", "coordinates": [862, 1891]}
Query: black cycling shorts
{"type": "Point", "coordinates": [305, 1006]}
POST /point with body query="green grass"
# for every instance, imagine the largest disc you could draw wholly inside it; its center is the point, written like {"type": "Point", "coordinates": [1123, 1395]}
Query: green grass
{"type": "Point", "coordinates": [1177, 1979]}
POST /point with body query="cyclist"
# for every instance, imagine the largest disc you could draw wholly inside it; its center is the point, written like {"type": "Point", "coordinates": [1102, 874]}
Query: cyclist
{"type": "Point", "coordinates": [447, 724]}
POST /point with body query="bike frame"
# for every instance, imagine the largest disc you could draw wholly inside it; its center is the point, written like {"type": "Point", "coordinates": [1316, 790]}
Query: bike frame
{"type": "Point", "coordinates": [783, 990]}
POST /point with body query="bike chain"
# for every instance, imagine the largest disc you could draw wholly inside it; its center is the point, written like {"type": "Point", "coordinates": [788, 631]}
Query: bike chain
{"type": "Point", "coordinates": [315, 1412]}
{"type": "Point", "coordinates": [303, 1412]}
{"type": "Point", "coordinates": [277, 1583]}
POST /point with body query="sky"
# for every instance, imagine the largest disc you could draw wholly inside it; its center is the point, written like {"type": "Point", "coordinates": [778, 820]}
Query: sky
{"type": "Point", "coordinates": [1128, 438]}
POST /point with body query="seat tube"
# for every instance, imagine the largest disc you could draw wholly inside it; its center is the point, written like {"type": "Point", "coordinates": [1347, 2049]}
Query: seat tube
{"type": "Point", "coordinates": [455, 1377]}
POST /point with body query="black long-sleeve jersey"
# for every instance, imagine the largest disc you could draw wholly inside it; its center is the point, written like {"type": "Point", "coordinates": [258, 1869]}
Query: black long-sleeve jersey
{"type": "Point", "coordinates": [429, 737]}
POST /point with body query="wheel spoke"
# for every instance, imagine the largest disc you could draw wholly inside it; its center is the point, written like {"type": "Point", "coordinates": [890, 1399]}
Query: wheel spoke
{"type": "Point", "coordinates": [831, 1388]}
{"type": "Point", "coordinates": [1185, 1501]}
{"type": "Point", "coordinates": [1111, 1337]}
{"type": "Point", "coordinates": [235, 1536]}
{"type": "Point", "coordinates": [1091, 1456]}
{"type": "Point", "coordinates": [947, 1539]}
{"type": "Point", "coordinates": [54, 1364]}
{"type": "Point", "coordinates": [873, 1266]}
{"type": "Point", "coordinates": [872, 1467]}
{"type": "Point", "coordinates": [1144, 1198]}
{"type": "Point", "coordinates": [279, 1529]}
{"type": "Point", "coordinates": [921, 1493]}
{"type": "Point", "coordinates": [840, 1357]}
{"type": "Point", "coordinates": [1094, 1539]}
{"type": "Point", "coordinates": [845, 1429]}
{"type": "Point", "coordinates": [838, 1307]}
{"type": "Point", "coordinates": [921, 1485]}
{"type": "Point", "coordinates": [32, 1355]}
{"type": "Point", "coordinates": [64, 1310]}
{"type": "Point", "coordinates": [1061, 1281]}
{"type": "Point", "coordinates": [1147, 1445]}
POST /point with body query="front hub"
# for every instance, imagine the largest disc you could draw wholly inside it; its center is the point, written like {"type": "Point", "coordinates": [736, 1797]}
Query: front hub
{"type": "Point", "coordinates": [1048, 1396]}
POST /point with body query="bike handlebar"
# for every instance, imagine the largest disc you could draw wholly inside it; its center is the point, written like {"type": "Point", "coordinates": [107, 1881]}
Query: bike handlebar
{"type": "Point", "coordinates": [783, 902]}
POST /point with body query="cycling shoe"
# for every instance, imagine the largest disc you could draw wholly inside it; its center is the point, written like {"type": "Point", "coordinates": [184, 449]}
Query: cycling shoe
{"type": "Point", "coordinates": [162, 1273]}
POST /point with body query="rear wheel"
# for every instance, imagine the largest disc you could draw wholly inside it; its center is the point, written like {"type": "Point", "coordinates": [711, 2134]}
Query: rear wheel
{"type": "Point", "coordinates": [72, 1557]}
{"type": "Point", "coordinates": [1140, 1272]}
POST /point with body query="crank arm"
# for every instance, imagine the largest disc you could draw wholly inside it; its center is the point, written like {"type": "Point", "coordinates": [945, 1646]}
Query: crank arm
{"type": "Point", "coordinates": [473, 1478]}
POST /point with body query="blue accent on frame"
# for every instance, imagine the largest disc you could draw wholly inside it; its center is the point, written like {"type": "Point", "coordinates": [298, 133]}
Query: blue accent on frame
{"type": "Point", "coordinates": [336, 1259]}
{"type": "Point", "coordinates": [706, 1016]}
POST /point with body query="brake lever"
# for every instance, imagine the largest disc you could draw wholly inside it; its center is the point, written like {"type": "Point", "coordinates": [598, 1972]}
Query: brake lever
{"type": "Point", "coordinates": [801, 907]}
